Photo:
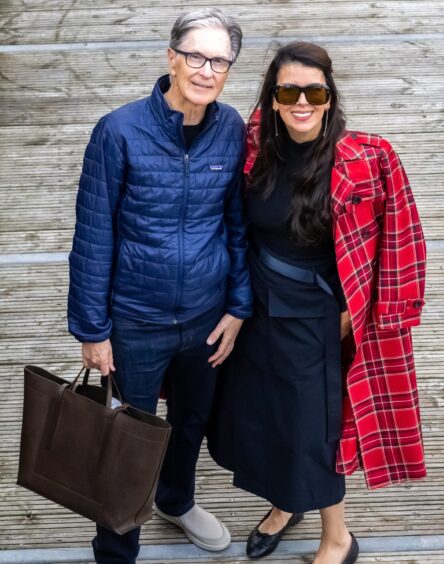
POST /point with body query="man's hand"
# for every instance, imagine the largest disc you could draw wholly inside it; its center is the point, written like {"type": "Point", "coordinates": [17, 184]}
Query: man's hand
{"type": "Point", "coordinates": [98, 355]}
{"type": "Point", "coordinates": [227, 328]}
{"type": "Point", "coordinates": [345, 324]}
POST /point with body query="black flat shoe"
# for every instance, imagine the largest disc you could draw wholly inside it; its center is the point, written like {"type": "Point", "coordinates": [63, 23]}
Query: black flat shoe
{"type": "Point", "coordinates": [261, 544]}
{"type": "Point", "coordinates": [353, 553]}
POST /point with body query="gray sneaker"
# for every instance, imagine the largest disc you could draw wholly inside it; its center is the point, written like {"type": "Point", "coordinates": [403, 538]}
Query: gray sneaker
{"type": "Point", "coordinates": [201, 527]}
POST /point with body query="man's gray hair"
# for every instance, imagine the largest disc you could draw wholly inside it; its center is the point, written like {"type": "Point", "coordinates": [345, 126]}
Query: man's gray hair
{"type": "Point", "coordinates": [207, 18]}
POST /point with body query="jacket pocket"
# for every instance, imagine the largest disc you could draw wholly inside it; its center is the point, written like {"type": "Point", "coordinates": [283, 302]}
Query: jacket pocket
{"type": "Point", "coordinates": [363, 220]}
{"type": "Point", "coordinates": [224, 261]}
{"type": "Point", "coordinates": [118, 263]}
{"type": "Point", "coordinates": [366, 209]}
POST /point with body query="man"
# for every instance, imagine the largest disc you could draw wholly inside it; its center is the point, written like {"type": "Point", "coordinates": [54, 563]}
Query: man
{"type": "Point", "coordinates": [158, 280]}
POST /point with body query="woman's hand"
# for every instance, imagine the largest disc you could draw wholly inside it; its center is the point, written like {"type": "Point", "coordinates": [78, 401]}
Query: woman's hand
{"type": "Point", "coordinates": [227, 328]}
{"type": "Point", "coordinates": [98, 355]}
{"type": "Point", "coordinates": [345, 324]}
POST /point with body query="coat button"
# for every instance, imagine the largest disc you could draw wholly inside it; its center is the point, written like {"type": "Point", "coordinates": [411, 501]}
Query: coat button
{"type": "Point", "coordinates": [366, 233]}
{"type": "Point", "coordinates": [356, 199]}
{"type": "Point", "coordinates": [417, 304]}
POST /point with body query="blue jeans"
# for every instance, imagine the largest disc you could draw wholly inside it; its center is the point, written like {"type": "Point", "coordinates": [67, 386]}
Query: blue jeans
{"type": "Point", "coordinates": [148, 357]}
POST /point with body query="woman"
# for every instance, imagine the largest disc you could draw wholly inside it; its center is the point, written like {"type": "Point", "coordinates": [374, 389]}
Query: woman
{"type": "Point", "coordinates": [337, 254]}
{"type": "Point", "coordinates": [158, 276]}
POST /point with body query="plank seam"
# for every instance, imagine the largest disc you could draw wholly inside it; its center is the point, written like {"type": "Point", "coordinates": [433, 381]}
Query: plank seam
{"type": "Point", "coordinates": [184, 552]}
{"type": "Point", "coordinates": [47, 258]}
{"type": "Point", "coordinates": [247, 42]}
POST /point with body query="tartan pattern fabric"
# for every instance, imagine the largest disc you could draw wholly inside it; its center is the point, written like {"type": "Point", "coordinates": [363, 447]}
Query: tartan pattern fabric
{"type": "Point", "coordinates": [381, 256]}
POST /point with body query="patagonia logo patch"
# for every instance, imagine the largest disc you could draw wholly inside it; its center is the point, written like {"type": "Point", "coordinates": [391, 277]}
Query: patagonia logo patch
{"type": "Point", "coordinates": [216, 167]}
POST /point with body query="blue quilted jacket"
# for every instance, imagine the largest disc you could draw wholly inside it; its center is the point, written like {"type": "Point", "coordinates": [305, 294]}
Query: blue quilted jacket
{"type": "Point", "coordinates": [160, 234]}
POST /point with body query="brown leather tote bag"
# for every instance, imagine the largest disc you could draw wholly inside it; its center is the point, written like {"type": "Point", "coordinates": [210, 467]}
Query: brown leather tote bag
{"type": "Point", "coordinates": [99, 462]}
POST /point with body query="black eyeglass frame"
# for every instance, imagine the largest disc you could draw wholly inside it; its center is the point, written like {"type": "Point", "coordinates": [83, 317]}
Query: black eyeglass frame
{"type": "Point", "coordinates": [302, 89]}
{"type": "Point", "coordinates": [210, 59]}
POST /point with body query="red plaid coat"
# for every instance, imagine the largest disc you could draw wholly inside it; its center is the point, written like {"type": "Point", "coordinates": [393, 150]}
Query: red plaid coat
{"type": "Point", "coordinates": [380, 252]}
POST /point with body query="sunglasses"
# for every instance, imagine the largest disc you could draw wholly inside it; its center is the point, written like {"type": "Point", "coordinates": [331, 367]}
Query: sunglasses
{"type": "Point", "coordinates": [288, 94]}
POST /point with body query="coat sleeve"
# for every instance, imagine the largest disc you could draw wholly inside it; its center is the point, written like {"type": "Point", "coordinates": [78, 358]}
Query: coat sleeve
{"type": "Point", "coordinates": [239, 289]}
{"type": "Point", "coordinates": [402, 265]}
{"type": "Point", "coordinates": [91, 258]}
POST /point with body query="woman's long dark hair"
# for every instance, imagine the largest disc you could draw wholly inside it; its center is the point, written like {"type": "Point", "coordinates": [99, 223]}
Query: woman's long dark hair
{"type": "Point", "coordinates": [310, 214]}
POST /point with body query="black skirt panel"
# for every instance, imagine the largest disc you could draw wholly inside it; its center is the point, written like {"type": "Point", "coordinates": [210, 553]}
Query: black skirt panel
{"type": "Point", "coordinates": [277, 418]}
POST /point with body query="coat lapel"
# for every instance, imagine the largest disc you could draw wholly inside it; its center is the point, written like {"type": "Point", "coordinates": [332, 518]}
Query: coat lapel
{"type": "Point", "coordinates": [341, 189]}
{"type": "Point", "coordinates": [347, 149]}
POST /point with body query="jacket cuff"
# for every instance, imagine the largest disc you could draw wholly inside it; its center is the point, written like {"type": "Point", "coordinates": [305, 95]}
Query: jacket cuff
{"type": "Point", "coordinates": [240, 312]}
{"type": "Point", "coordinates": [395, 315]}
{"type": "Point", "coordinates": [86, 333]}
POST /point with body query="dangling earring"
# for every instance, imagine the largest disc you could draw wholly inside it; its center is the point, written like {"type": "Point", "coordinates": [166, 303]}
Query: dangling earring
{"type": "Point", "coordinates": [276, 131]}
{"type": "Point", "coordinates": [326, 124]}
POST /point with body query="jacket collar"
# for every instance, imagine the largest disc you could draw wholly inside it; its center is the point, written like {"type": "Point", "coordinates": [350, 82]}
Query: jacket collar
{"type": "Point", "coordinates": [172, 120]}
{"type": "Point", "coordinates": [348, 148]}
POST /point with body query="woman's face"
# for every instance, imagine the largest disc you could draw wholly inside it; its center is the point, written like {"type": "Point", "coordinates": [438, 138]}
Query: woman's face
{"type": "Point", "coordinates": [200, 86]}
{"type": "Point", "coordinates": [302, 120]}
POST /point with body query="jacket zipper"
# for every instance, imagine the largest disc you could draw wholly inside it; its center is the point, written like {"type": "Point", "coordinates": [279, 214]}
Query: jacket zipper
{"type": "Point", "coordinates": [182, 218]}
{"type": "Point", "coordinates": [181, 224]}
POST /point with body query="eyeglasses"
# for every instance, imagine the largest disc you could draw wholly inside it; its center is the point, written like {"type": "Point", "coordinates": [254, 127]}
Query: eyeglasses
{"type": "Point", "coordinates": [288, 94]}
{"type": "Point", "coordinates": [197, 61]}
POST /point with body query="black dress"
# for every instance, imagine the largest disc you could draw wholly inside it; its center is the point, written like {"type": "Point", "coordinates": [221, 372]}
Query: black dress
{"type": "Point", "coordinates": [277, 419]}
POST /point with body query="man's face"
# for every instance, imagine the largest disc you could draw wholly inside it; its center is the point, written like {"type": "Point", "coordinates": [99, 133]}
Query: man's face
{"type": "Point", "coordinates": [200, 86]}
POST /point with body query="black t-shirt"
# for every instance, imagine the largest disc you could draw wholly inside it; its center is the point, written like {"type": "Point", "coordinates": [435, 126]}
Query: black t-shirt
{"type": "Point", "coordinates": [190, 132]}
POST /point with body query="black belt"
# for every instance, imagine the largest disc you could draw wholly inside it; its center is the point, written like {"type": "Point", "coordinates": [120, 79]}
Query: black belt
{"type": "Point", "coordinates": [332, 349]}
{"type": "Point", "coordinates": [294, 272]}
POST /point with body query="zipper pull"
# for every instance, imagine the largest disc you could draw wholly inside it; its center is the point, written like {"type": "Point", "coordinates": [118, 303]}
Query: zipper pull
{"type": "Point", "coordinates": [187, 168]}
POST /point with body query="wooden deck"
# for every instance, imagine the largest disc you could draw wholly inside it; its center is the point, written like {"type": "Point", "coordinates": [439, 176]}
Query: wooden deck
{"type": "Point", "coordinates": [56, 81]}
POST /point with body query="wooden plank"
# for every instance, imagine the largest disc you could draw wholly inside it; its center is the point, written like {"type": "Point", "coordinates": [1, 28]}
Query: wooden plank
{"type": "Point", "coordinates": [60, 240]}
{"type": "Point", "coordinates": [117, 68]}
{"type": "Point", "coordinates": [38, 216]}
{"type": "Point", "coordinates": [32, 351]}
{"type": "Point", "coordinates": [62, 147]}
{"type": "Point", "coordinates": [70, 139]}
{"type": "Point", "coordinates": [55, 88]}
{"type": "Point", "coordinates": [59, 341]}
{"type": "Point", "coordinates": [46, 162]}
{"type": "Point", "coordinates": [271, 20]}
{"type": "Point", "coordinates": [215, 484]}
{"type": "Point", "coordinates": [60, 5]}
{"type": "Point", "coordinates": [435, 557]}
{"type": "Point", "coordinates": [88, 108]}
{"type": "Point", "coordinates": [54, 208]}
{"type": "Point", "coordinates": [239, 510]}
{"type": "Point", "coordinates": [20, 284]}
{"type": "Point", "coordinates": [41, 113]}
{"type": "Point", "coordinates": [24, 288]}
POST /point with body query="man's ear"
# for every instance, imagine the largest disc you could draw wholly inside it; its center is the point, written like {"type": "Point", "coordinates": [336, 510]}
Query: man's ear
{"type": "Point", "coordinates": [171, 55]}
